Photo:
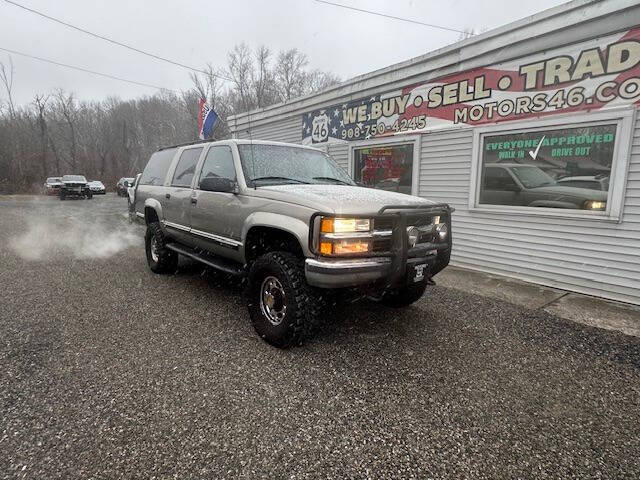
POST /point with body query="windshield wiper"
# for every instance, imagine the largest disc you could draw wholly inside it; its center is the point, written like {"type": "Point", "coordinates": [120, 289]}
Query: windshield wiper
{"type": "Point", "coordinates": [333, 179]}
{"type": "Point", "coordinates": [279, 178]}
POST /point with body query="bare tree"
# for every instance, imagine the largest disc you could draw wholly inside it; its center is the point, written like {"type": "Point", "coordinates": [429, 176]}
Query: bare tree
{"type": "Point", "coordinates": [290, 75]}
{"type": "Point", "coordinates": [6, 76]}
{"type": "Point", "coordinates": [241, 71]}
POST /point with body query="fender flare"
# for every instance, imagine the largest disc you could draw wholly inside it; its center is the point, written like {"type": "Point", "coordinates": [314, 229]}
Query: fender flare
{"type": "Point", "coordinates": [296, 227]}
{"type": "Point", "coordinates": [154, 205]}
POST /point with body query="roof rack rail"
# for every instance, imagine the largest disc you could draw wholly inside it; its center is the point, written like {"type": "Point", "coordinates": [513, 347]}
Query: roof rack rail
{"type": "Point", "coordinates": [195, 142]}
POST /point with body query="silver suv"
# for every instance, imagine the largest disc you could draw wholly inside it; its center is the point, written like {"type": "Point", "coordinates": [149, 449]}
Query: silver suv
{"type": "Point", "coordinates": [294, 223]}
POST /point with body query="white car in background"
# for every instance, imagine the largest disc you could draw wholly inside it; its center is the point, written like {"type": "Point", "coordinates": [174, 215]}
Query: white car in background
{"type": "Point", "coordinates": [97, 187]}
{"type": "Point", "coordinates": [597, 182]}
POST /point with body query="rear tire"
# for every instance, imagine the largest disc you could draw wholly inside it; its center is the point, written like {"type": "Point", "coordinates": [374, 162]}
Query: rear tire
{"type": "Point", "coordinates": [278, 299]}
{"type": "Point", "coordinates": [159, 257]}
{"type": "Point", "coordinates": [404, 296]}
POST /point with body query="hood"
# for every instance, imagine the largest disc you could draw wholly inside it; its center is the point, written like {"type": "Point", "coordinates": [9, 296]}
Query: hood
{"type": "Point", "coordinates": [573, 192]}
{"type": "Point", "coordinates": [339, 199]}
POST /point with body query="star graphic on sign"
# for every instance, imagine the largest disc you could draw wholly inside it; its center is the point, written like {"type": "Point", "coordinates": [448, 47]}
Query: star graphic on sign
{"type": "Point", "coordinates": [341, 123]}
{"type": "Point", "coordinates": [336, 112]}
{"type": "Point", "coordinates": [344, 105]}
{"type": "Point", "coordinates": [373, 99]}
{"type": "Point", "coordinates": [360, 125]}
{"type": "Point", "coordinates": [308, 130]}
{"type": "Point", "coordinates": [334, 130]}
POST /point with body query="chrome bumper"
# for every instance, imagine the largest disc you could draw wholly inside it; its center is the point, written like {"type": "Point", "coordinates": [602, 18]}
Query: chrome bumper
{"type": "Point", "coordinates": [345, 273]}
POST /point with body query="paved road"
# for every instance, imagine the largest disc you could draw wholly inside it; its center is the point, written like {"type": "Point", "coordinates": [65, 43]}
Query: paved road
{"type": "Point", "coordinates": [111, 371]}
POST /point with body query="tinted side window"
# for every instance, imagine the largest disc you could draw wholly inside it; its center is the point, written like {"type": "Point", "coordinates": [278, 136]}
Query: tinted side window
{"type": "Point", "coordinates": [186, 167]}
{"type": "Point", "coordinates": [219, 163]}
{"type": "Point", "coordinates": [497, 179]}
{"type": "Point", "coordinates": [156, 169]}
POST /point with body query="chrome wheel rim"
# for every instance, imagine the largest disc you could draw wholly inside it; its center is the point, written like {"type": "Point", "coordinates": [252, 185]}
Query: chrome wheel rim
{"type": "Point", "coordinates": [272, 300]}
{"type": "Point", "coordinates": [155, 248]}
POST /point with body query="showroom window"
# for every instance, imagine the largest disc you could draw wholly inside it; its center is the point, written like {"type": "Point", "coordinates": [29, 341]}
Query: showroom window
{"type": "Point", "coordinates": [385, 167]}
{"type": "Point", "coordinates": [572, 167]}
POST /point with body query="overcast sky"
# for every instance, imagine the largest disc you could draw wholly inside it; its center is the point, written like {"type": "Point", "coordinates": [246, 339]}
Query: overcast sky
{"type": "Point", "coordinates": [197, 32]}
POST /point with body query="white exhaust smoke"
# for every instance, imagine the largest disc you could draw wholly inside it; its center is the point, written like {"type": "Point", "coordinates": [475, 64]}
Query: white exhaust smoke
{"type": "Point", "coordinates": [50, 237]}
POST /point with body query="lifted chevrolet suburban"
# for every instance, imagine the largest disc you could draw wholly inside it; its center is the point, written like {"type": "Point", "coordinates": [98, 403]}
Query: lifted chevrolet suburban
{"type": "Point", "coordinates": [294, 223]}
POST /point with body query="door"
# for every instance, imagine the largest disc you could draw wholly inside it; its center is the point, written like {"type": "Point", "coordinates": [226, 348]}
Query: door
{"type": "Point", "coordinates": [216, 222]}
{"type": "Point", "coordinates": [176, 206]}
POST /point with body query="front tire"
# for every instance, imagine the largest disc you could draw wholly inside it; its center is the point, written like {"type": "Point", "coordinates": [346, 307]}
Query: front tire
{"type": "Point", "coordinates": [404, 296]}
{"type": "Point", "coordinates": [159, 257]}
{"type": "Point", "coordinates": [278, 299]}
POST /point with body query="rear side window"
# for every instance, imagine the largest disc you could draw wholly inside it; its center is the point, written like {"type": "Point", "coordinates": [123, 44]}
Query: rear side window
{"type": "Point", "coordinates": [156, 169]}
{"type": "Point", "coordinates": [186, 167]}
{"type": "Point", "coordinates": [219, 163]}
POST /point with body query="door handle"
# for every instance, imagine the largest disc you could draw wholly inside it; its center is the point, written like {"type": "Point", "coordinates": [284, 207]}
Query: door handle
{"type": "Point", "coordinates": [194, 200]}
{"type": "Point", "coordinates": [167, 195]}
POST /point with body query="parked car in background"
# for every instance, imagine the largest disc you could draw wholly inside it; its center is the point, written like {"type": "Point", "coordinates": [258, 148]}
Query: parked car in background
{"type": "Point", "coordinates": [131, 195]}
{"type": "Point", "coordinates": [122, 185]}
{"type": "Point", "coordinates": [52, 186]}
{"type": "Point", "coordinates": [97, 187]}
{"type": "Point", "coordinates": [594, 182]}
{"type": "Point", "coordinates": [527, 185]}
{"type": "Point", "coordinates": [74, 186]}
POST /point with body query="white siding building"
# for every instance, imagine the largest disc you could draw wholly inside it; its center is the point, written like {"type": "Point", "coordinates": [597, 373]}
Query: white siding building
{"type": "Point", "coordinates": [530, 131]}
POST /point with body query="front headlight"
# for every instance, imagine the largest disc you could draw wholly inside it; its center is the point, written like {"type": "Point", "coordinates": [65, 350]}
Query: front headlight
{"type": "Point", "coordinates": [344, 236]}
{"type": "Point", "coordinates": [345, 225]}
{"type": "Point", "coordinates": [595, 205]}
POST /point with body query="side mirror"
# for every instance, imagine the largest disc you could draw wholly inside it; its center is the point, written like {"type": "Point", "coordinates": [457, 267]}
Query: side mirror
{"type": "Point", "coordinates": [218, 184]}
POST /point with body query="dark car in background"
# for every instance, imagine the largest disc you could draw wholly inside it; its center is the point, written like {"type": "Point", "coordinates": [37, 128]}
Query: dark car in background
{"type": "Point", "coordinates": [123, 184]}
{"type": "Point", "coordinates": [74, 186]}
{"type": "Point", "coordinates": [527, 185]}
{"type": "Point", "coordinates": [52, 186]}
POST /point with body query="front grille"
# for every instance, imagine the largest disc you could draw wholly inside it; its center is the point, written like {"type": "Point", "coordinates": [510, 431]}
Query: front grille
{"type": "Point", "coordinates": [382, 244]}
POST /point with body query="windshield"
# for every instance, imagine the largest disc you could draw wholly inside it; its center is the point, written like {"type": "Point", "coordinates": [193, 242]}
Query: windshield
{"type": "Point", "coordinates": [281, 164]}
{"type": "Point", "coordinates": [532, 177]}
{"type": "Point", "coordinates": [74, 178]}
{"type": "Point", "coordinates": [53, 179]}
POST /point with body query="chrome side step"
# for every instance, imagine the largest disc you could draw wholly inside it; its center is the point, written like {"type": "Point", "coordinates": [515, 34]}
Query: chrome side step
{"type": "Point", "coordinates": [209, 260]}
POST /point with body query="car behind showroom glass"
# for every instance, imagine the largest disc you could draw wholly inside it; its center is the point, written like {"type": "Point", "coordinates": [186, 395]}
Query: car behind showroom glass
{"type": "Point", "coordinates": [384, 167]}
{"type": "Point", "coordinates": [566, 168]}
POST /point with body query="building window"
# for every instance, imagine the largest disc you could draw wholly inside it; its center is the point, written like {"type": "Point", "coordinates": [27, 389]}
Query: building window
{"type": "Point", "coordinates": [565, 167]}
{"type": "Point", "coordinates": [385, 167]}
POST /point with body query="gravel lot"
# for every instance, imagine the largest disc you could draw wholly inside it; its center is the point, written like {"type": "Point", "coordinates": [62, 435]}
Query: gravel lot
{"type": "Point", "coordinates": [111, 371]}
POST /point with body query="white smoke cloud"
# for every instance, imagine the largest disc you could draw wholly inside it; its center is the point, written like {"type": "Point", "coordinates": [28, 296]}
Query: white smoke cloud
{"type": "Point", "coordinates": [49, 237]}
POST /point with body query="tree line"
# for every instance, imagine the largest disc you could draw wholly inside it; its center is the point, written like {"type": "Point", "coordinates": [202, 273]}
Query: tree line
{"type": "Point", "coordinates": [58, 134]}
